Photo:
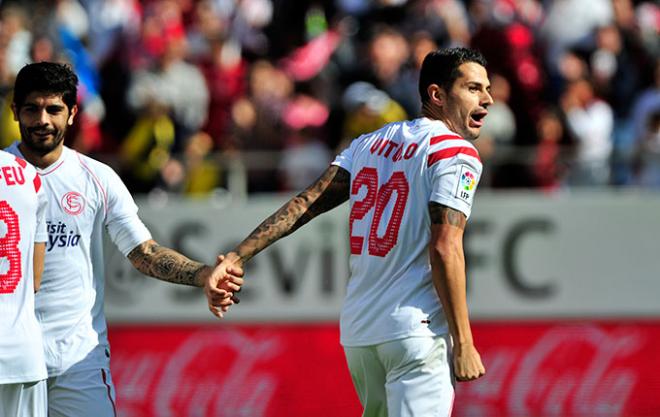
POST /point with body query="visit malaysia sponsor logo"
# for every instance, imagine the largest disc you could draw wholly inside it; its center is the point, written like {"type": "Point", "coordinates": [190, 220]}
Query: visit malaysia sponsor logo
{"type": "Point", "coordinates": [61, 236]}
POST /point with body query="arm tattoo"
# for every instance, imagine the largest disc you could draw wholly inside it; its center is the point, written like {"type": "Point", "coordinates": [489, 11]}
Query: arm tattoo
{"type": "Point", "coordinates": [165, 264]}
{"type": "Point", "coordinates": [329, 191]}
{"type": "Point", "coordinates": [444, 215]}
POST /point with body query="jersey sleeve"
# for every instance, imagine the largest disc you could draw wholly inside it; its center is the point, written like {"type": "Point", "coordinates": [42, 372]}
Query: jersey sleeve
{"type": "Point", "coordinates": [124, 226]}
{"type": "Point", "coordinates": [345, 158]}
{"type": "Point", "coordinates": [454, 178]}
{"type": "Point", "coordinates": [41, 234]}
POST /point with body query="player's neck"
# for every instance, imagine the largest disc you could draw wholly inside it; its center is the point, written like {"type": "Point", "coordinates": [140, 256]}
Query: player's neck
{"type": "Point", "coordinates": [431, 112]}
{"type": "Point", "coordinates": [435, 113]}
{"type": "Point", "coordinates": [38, 160]}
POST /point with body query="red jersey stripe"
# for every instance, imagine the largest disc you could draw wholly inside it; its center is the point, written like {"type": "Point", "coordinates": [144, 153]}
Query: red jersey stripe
{"type": "Point", "coordinates": [37, 183]}
{"type": "Point", "coordinates": [21, 162]}
{"type": "Point", "coordinates": [451, 152]}
{"type": "Point", "coordinates": [437, 139]}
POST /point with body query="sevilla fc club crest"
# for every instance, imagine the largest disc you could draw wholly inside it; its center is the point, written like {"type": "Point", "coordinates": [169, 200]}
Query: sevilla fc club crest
{"type": "Point", "coordinates": [73, 203]}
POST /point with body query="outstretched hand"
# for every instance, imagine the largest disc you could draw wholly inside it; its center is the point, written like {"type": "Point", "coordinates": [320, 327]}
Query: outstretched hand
{"type": "Point", "coordinates": [467, 363]}
{"type": "Point", "coordinates": [224, 281]}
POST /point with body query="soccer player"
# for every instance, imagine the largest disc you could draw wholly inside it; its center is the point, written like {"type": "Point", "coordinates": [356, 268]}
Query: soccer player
{"type": "Point", "coordinates": [22, 247]}
{"type": "Point", "coordinates": [411, 185]}
{"type": "Point", "coordinates": [85, 197]}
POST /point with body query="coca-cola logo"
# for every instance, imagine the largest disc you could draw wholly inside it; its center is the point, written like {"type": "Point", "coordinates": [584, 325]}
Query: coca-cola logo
{"type": "Point", "coordinates": [568, 371]}
{"type": "Point", "coordinates": [178, 383]}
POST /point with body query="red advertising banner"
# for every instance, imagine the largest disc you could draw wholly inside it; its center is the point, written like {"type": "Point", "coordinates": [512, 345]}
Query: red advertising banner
{"type": "Point", "coordinates": [539, 369]}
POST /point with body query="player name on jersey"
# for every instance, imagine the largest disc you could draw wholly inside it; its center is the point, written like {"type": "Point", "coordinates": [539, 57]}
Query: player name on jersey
{"type": "Point", "coordinates": [12, 175]}
{"type": "Point", "coordinates": [384, 147]}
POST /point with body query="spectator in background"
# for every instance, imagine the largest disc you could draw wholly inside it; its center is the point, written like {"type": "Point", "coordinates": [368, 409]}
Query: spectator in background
{"type": "Point", "coordinates": [443, 19]}
{"type": "Point", "coordinates": [110, 23]}
{"type": "Point", "coordinates": [549, 169]}
{"type": "Point", "coordinates": [170, 97]}
{"type": "Point", "coordinates": [646, 107]}
{"type": "Point", "coordinates": [305, 154]}
{"type": "Point", "coordinates": [147, 147]}
{"type": "Point", "coordinates": [511, 47]}
{"type": "Point", "coordinates": [648, 153]}
{"type": "Point", "coordinates": [571, 67]}
{"type": "Point", "coordinates": [498, 135]}
{"type": "Point", "coordinates": [367, 108]}
{"type": "Point", "coordinates": [570, 22]}
{"type": "Point", "coordinates": [501, 125]}
{"type": "Point", "coordinates": [257, 122]}
{"type": "Point", "coordinates": [170, 82]}
{"type": "Point", "coordinates": [225, 72]}
{"type": "Point", "coordinates": [591, 121]}
{"type": "Point", "coordinates": [388, 59]}
{"type": "Point", "coordinates": [8, 127]}
{"type": "Point", "coordinates": [15, 40]}
{"type": "Point", "coordinates": [195, 173]}
{"type": "Point", "coordinates": [420, 45]}
{"type": "Point", "coordinates": [16, 36]}
{"type": "Point", "coordinates": [616, 65]}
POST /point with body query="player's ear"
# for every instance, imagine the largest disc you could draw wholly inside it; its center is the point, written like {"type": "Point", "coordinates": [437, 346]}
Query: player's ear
{"type": "Point", "coordinates": [72, 114]}
{"type": "Point", "coordinates": [437, 94]}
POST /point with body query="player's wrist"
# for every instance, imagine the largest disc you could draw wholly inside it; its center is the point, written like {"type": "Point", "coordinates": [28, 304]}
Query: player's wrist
{"type": "Point", "coordinates": [234, 258]}
{"type": "Point", "coordinates": [202, 275]}
{"type": "Point", "coordinates": [462, 347]}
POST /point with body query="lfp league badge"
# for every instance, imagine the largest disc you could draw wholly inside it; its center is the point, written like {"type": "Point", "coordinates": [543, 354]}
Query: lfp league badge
{"type": "Point", "coordinates": [467, 182]}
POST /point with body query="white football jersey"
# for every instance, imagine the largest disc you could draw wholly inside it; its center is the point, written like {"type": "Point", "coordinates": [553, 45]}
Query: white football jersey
{"type": "Point", "coordinates": [22, 223]}
{"type": "Point", "coordinates": [395, 172]}
{"type": "Point", "coordinates": [84, 196]}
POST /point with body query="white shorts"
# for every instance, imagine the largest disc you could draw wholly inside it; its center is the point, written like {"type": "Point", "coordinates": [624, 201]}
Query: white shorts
{"type": "Point", "coordinates": [28, 399]}
{"type": "Point", "coordinates": [85, 393]}
{"type": "Point", "coordinates": [404, 378]}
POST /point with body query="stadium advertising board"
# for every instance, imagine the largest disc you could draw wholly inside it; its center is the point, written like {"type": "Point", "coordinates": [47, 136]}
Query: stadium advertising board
{"type": "Point", "coordinates": [529, 256]}
{"type": "Point", "coordinates": [534, 369]}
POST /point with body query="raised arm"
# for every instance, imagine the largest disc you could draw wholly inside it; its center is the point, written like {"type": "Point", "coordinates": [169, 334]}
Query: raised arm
{"type": "Point", "coordinates": [448, 269]}
{"type": "Point", "coordinates": [329, 191]}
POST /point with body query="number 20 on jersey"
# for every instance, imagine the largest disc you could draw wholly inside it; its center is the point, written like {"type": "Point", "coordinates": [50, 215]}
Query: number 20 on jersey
{"type": "Point", "coordinates": [377, 198]}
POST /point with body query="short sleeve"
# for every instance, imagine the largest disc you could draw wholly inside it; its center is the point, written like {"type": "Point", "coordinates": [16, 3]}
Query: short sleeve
{"type": "Point", "coordinates": [124, 226]}
{"type": "Point", "coordinates": [41, 234]}
{"type": "Point", "coordinates": [454, 181]}
{"type": "Point", "coordinates": [345, 158]}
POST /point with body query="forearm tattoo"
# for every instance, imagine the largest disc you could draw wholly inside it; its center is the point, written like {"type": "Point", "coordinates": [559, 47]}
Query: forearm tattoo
{"type": "Point", "coordinates": [329, 191]}
{"type": "Point", "coordinates": [165, 264]}
{"type": "Point", "coordinates": [444, 215]}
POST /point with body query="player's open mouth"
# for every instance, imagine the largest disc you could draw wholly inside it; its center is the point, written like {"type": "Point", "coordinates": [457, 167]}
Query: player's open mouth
{"type": "Point", "coordinates": [477, 118]}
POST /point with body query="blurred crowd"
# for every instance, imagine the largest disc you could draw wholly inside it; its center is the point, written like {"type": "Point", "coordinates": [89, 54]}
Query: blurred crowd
{"type": "Point", "coordinates": [179, 94]}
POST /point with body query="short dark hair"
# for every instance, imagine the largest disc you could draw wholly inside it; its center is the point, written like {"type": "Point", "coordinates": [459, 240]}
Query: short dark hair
{"type": "Point", "coordinates": [49, 78]}
{"type": "Point", "coordinates": [441, 67]}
